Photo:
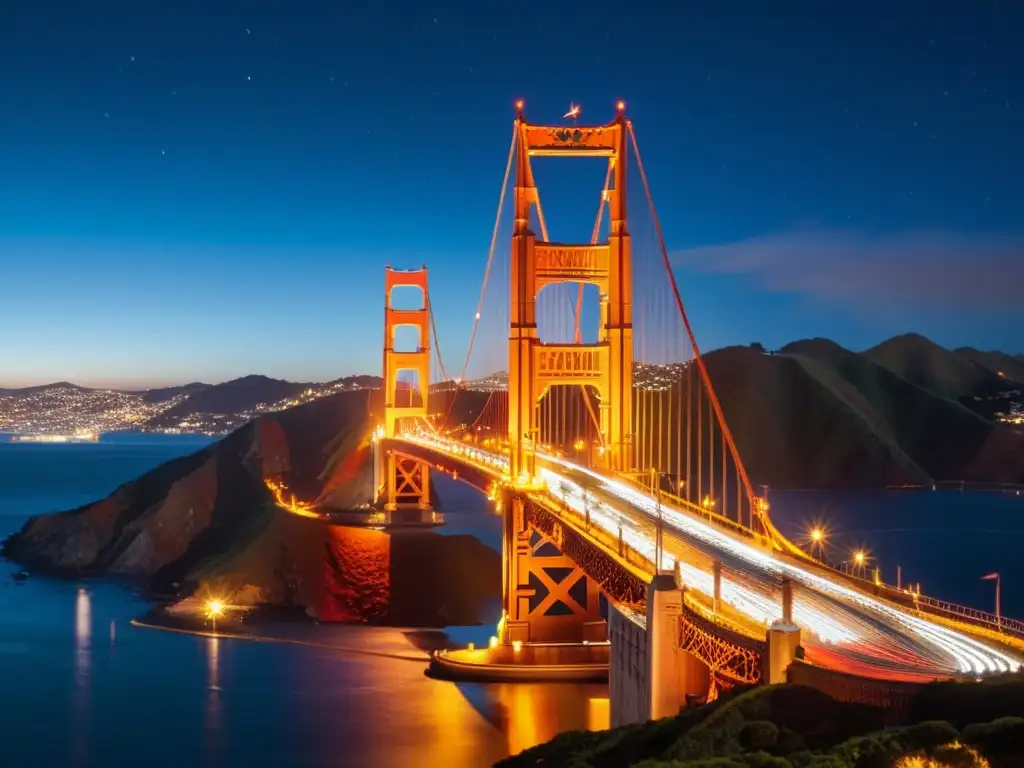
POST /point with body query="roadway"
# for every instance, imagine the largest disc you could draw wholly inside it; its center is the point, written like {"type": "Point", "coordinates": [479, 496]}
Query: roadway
{"type": "Point", "coordinates": [842, 628]}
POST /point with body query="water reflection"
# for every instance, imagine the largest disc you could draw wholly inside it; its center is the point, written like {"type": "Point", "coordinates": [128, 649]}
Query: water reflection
{"type": "Point", "coordinates": [212, 720]}
{"type": "Point", "coordinates": [533, 713]}
{"type": "Point", "coordinates": [83, 663]}
{"type": "Point", "coordinates": [83, 635]}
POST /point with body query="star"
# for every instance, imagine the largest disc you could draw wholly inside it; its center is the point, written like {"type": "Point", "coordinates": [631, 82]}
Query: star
{"type": "Point", "coordinates": [106, 114]}
{"type": "Point", "coordinates": [132, 58]}
{"type": "Point", "coordinates": [248, 77]}
{"type": "Point", "coordinates": [162, 152]}
{"type": "Point", "coordinates": [248, 31]}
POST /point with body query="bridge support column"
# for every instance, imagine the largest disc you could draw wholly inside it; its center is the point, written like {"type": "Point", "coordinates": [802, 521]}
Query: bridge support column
{"type": "Point", "coordinates": [694, 678]}
{"type": "Point", "coordinates": [783, 640]}
{"type": "Point", "coordinates": [547, 596]}
{"type": "Point", "coordinates": [515, 552]}
{"type": "Point", "coordinates": [664, 605]}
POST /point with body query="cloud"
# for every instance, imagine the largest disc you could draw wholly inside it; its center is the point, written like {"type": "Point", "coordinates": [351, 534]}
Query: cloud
{"type": "Point", "coordinates": [925, 270]}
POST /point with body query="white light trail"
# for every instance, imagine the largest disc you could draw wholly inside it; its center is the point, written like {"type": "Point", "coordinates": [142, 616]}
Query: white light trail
{"type": "Point", "coordinates": [852, 627]}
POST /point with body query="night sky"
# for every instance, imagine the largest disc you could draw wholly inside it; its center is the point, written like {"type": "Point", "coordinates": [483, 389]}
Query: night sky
{"type": "Point", "coordinates": [198, 190]}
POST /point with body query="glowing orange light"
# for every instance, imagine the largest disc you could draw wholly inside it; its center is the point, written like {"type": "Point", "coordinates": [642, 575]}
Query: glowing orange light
{"type": "Point", "coordinates": [858, 557]}
{"type": "Point", "coordinates": [290, 504]}
{"type": "Point", "coordinates": [215, 608]}
{"type": "Point", "coordinates": [519, 104]}
{"type": "Point", "coordinates": [817, 535]}
{"type": "Point", "coordinates": [621, 106]}
{"type": "Point", "coordinates": [574, 111]}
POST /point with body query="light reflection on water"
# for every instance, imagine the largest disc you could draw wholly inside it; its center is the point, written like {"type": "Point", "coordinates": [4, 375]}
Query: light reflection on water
{"type": "Point", "coordinates": [156, 698]}
{"type": "Point", "coordinates": [83, 659]}
{"type": "Point", "coordinates": [162, 699]}
{"type": "Point", "coordinates": [212, 719]}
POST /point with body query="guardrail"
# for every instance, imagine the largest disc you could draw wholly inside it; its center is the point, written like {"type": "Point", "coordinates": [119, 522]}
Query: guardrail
{"type": "Point", "coordinates": [925, 604]}
{"type": "Point", "coordinates": [672, 500]}
{"type": "Point", "coordinates": [1014, 626]}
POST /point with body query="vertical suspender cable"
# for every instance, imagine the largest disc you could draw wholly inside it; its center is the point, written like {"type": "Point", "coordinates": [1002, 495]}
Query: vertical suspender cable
{"type": "Point", "coordinates": [689, 330]}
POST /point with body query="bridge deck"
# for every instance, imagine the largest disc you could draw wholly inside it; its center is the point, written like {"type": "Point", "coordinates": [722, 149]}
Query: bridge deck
{"type": "Point", "coordinates": [844, 628]}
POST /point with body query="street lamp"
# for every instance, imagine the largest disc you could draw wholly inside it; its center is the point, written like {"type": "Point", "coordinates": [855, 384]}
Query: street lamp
{"type": "Point", "coordinates": [859, 559]}
{"type": "Point", "coordinates": [818, 535]}
{"type": "Point", "coordinates": [214, 609]}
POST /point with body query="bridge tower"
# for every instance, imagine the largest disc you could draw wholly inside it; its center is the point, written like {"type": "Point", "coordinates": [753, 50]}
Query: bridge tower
{"type": "Point", "coordinates": [406, 480]}
{"type": "Point", "coordinates": [534, 367]}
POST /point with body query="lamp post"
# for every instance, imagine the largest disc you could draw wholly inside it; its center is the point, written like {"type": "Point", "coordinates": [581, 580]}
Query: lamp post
{"type": "Point", "coordinates": [214, 608]}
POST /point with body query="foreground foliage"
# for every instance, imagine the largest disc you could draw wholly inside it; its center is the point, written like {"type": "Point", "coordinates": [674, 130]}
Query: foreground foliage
{"type": "Point", "coordinates": [950, 725]}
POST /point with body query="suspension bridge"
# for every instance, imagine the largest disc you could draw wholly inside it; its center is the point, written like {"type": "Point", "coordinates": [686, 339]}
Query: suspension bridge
{"type": "Point", "coordinates": [584, 410]}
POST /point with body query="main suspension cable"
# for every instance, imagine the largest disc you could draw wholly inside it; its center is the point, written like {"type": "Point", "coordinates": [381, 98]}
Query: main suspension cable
{"type": "Point", "coordinates": [437, 343]}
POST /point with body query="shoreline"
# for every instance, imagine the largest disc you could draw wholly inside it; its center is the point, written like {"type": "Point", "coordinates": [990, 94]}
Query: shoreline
{"type": "Point", "coordinates": [415, 654]}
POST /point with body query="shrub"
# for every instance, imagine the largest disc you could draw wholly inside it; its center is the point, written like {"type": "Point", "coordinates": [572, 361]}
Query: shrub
{"type": "Point", "coordinates": [927, 735]}
{"type": "Point", "coordinates": [962, 703]}
{"type": "Point", "coordinates": [764, 760]}
{"type": "Point", "coordinates": [759, 734]}
{"type": "Point", "coordinates": [1000, 740]}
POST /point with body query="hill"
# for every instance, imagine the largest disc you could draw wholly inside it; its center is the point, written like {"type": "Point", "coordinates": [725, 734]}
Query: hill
{"type": "Point", "coordinates": [207, 523]}
{"type": "Point", "coordinates": [232, 397]}
{"type": "Point", "coordinates": [934, 368]}
{"type": "Point", "coordinates": [945, 438]}
{"type": "Point", "coordinates": [796, 428]}
{"type": "Point", "coordinates": [1001, 364]}
{"type": "Point", "coordinates": [162, 394]}
{"type": "Point", "coordinates": [196, 407]}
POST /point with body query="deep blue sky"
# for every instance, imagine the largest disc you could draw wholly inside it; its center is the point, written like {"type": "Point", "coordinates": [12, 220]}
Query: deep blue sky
{"type": "Point", "coordinates": [188, 193]}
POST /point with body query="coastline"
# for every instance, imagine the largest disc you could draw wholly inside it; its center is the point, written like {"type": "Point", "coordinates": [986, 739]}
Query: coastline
{"type": "Point", "coordinates": [399, 643]}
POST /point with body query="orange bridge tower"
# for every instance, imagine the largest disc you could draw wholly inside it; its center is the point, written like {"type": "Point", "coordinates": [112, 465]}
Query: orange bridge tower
{"type": "Point", "coordinates": [607, 366]}
{"type": "Point", "coordinates": [406, 480]}
{"type": "Point", "coordinates": [533, 560]}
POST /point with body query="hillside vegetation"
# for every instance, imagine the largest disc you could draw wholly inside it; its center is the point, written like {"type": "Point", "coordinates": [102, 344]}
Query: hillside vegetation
{"type": "Point", "coordinates": [789, 726]}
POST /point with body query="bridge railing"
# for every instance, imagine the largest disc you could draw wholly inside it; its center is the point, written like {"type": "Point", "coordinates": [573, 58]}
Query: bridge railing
{"type": "Point", "coordinates": [672, 500]}
{"type": "Point", "coordinates": [906, 598]}
{"type": "Point", "coordinates": [925, 604]}
{"type": "Point", "coordinates": [974, 615]}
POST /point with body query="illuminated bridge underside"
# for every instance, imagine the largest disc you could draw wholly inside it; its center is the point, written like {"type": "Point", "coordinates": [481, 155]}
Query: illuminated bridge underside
{"type": "Point", "coordinates": [731, 657]}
